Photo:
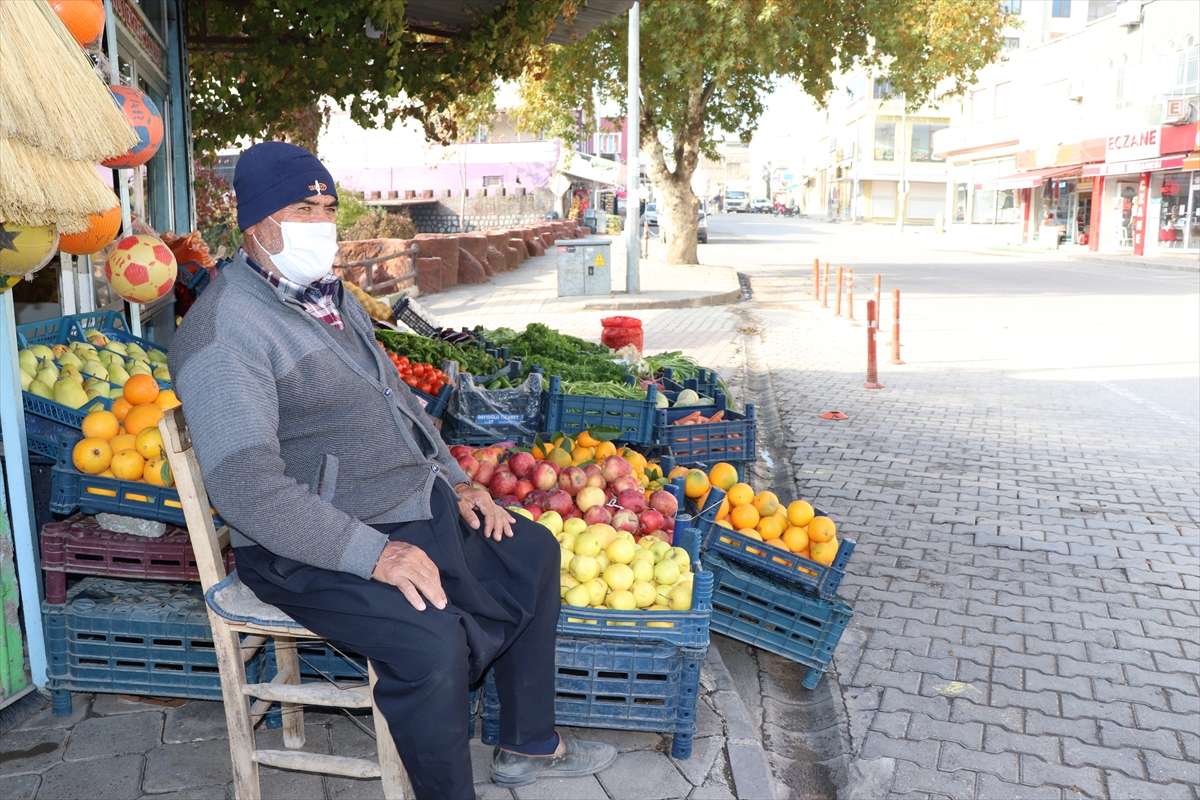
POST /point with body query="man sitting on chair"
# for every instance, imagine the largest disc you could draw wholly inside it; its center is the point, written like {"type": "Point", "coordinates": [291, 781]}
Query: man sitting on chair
{"type": "Point", "coordinates": [346, 509]}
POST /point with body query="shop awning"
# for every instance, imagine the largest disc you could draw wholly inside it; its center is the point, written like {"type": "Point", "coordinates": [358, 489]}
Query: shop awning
{"type": "Point", "coordinates": [1134, 167]}
{"type": "Point", "coordinates": [1192, 161]}
{"type": "Point", "coordinates": [592, 168]}
{"type": "Point", "coordinates": [1028, 179]}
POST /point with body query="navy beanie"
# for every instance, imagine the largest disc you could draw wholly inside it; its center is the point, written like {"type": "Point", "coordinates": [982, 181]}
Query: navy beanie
{"type": "Point", "coordinates": [272, 175]}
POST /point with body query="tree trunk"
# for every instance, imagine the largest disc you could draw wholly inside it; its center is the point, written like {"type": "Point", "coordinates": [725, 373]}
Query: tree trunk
{"type": "Point", "coordinates": [679, 211]}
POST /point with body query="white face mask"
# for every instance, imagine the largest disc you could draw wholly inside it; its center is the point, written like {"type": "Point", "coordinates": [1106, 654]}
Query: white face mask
{"type": "Point", "coordinates": [308, 250]}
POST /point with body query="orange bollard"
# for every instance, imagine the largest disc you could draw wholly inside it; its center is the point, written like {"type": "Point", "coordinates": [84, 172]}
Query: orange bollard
{"type": "Point", "coordinates": [825, 297]}
{"type": "Point", "coordinates": [895, 327]}
{"type": "Point", "coordinates": [816, 279]}
{"type": "Point", "coordinates": [878, 284]}
{"type": "Point", "coordinates": [872, 381]}
{"type": "Point", "coordinates": [850, 297]}
{"type": "Point", "coordinates": [839, 294]}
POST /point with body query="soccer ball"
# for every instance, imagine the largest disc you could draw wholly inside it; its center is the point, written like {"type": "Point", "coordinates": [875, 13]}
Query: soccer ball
{"type": "Point", "coordinates": [141, 269]}
{"type": "Point", "coordinates": [142, 115]}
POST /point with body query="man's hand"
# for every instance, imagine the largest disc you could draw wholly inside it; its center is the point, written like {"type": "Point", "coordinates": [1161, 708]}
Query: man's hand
{"type": "Point", "coordinates": [497, 523]}
{"type": "Point", "coordinates": [406, 567]}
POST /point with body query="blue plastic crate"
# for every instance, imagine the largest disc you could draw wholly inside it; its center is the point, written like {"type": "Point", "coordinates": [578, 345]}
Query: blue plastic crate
{"type": "Point", "coordinates": [628, 686]}
{"type": "Point", "coordinates": [92, 494]}
{"type": "Point", "coordinates": [42, 435]}
{"type": "Point", "coordinates": [48, 332]}
{"type": "Point", "coordinates": [680, 628]}
{"type": "Point", "coordinates": [820, 579]}
{"type": "Point", "coordinates": [133, 637]}
{"type": "Point", "coordinates": [777, 616]}
{"type": "Point", "coordinates": [732, 439]}
{"type": "Point", "coordinates": [706, 383]}
{"type": "Point", "coordinates": [57, 412]}
{"type": "Point", "coordinates": [572, 414]}
{"type": "Point", "coordinates": [434, 406]}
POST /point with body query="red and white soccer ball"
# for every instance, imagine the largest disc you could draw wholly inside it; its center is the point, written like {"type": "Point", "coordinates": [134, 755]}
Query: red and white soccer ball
{"type": "Point", "coordinates": [141, 269]}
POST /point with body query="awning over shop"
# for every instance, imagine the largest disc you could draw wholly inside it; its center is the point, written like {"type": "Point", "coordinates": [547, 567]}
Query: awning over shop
{"type": "Point", "coordinates": [1028, 179]}
{"type": "Point", "coordinates": [592, 168]}
{"type": "Point", "coordinates": [1134, 167]}
{"type": "Point", "coordinates": [1192, 161]}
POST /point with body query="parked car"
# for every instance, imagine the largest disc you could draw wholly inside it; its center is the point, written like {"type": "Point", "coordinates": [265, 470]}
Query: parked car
{"type": "Point", "coordinates": [651, 214]}
{"type": "Point", "coordinates": [761, 206]}
{"type": "Point", "coordinates": [701, 226]}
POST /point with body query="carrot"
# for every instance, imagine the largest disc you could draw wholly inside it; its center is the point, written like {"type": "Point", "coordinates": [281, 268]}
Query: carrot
{"type": "Point", "coordinates": [716, 417]}
{"type": "Point", "coordinates": [689, 419]}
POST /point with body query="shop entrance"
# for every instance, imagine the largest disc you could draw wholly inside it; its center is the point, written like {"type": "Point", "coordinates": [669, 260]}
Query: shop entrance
{"type": "Point", "coordinates": [1179, 212]}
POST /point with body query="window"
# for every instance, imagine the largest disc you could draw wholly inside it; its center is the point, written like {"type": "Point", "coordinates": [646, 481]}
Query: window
{"type": "Point", "coordinates": [1010, 6]}
{"type": "Point", "coordinates": [885, 141]}
{"type": "Point", "coordinates": [493, 180]}
{"type": "Point", "coordinates": [1187, 68]}
{"type": "Point", "coordinates": [922, 142]}
{"type": "Point", "coordinates": [1060, 8]}
{"type": "Point", "coordinates": [1119, 85]}
{"type": "Point", "coordinates": [1012, 43]}
{"type": "Point", "coordinates": [882, 89]}
{"type": "Point", "coordinates": [856, 90]}
{"type": "Point", "coordinates": [610, 142]}
{"type": "Point", "coordinates": [480, 135]}
{"type": "Point", "coordinates": [1004, 95]}
{"type": "Point", "coordinates": [981, 106]}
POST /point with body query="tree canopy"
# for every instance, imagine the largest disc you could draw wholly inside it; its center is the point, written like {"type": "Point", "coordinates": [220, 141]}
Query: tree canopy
{"type": "Point", "coordinates": [707, 65]}
{"type": "Point", "coordinates": [258, 67]}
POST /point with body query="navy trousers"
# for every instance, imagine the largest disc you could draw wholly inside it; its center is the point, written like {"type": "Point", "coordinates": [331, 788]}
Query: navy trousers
{"type": "Point", "coordinates": [502, 610]}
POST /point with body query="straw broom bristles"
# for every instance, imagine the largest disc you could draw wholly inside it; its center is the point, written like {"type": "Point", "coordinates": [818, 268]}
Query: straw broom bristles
{"type": "Point", "coordinates": [38, 190]}
{"type": "Point", "coordinates": [49, 96]}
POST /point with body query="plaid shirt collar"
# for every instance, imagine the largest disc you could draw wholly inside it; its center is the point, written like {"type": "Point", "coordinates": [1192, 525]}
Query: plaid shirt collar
{"type": "Point", "coordinates": [319, 299]}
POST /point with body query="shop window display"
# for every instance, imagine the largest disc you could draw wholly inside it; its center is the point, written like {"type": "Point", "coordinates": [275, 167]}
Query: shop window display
{"type": "Point", "coordinates": [1179, 211]}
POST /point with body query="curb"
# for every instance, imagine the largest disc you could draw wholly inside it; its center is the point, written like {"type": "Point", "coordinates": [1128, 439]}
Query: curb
{"type": "Point", "coordinates": [1117, 262]}
{"type": "Point", "coordinates": [720, 299]}
{"type": "Point", "coordinates": [752, 778]}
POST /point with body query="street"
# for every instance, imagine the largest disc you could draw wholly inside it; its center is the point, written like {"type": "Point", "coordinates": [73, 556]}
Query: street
{"type": "Point", "coordinates": [1024, 496]}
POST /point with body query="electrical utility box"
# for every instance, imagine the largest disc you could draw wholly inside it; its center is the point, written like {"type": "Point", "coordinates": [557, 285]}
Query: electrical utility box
{"type": "Point", "coordinates": [584, 266]}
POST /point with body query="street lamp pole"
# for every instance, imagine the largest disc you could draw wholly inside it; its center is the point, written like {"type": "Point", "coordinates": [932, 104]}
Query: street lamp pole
{"type": "Point", "coordinates": [633, 278]}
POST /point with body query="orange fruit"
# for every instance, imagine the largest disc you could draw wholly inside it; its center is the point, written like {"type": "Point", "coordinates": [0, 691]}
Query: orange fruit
{"type": "Point", "coordinates": [581, 454]}
{"type": "Point", "coordinates": [796, 539]}
{"type": "Point", "coordinates": [821, 529]}
{"type": "Point", "coordinates": [766, 503]}
{"type": "Point", "coordinates": [537, 453]}
{"type": "Point", "coordinates": [740, 494]}
{"type": "Point", "coordinates": [140, 389]}
{"type": "Point", "coordinates": [770, 528]}
{"type": "Point", "coordinates": [824, 552]}
{"type": "Point", "coordinates": [696, 484]}
{"type": "Point", "coordinates": [702, 500]}
{"type": "Point", "coordinates": [753, 534]}
{"type": "Point", "coordinates": [140, 417]}
{"type": "Point", "coordinates": [776, 543]}
{"type": "Point", "coordinates": [101, 425]}
{"type": "Point", "coordinates": [166, 399]}
{"type": "Point", "coordinates": [799, 513]}
{"type": "Point", "coordinates": [108, 473]}
{"type": "Point", "coordinates": [92, 455]}
{"type": "Point", "coordinates": [157, 472]}
{"type": "Point", "coordinates": [678, 472]}
{"type": "Point", "coordinates": [120, 408]}
{"type": "Point", "coordinates": [723, 476]}
{"type": "Point", "coordinates": [605, 449]}
{"type": "Point", "coordinates": [123, 441]}
{"type": "Point", "coordinates": [149, 443]}
{"type": "Point", "coordinates": [744, 516]}
{"type": "Point", "coordinates": [724, 523]}
{"type": "Point", "coordinates": [585, 439]}
{"type": "Point", "coordinates": [724, 510]}
{"type": "Point", "coordinates": [128, 465]}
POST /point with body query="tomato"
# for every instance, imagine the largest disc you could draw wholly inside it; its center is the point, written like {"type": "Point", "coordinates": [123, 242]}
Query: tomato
{"type": "Point", "coordinates": [403, 360]}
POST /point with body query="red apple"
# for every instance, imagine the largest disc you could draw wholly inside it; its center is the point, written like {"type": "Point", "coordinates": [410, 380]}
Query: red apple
{"type": "Point", "coordinates": [487, 454]}
{"type": "Point", "coordinates": [574, 513]}
{"type": "Point", "coordinates": [535, 510]}
{"type": "Point", "coordinates": [459, 450]}
{"type": "Point", "coordinates": [535, 497]}
{"type": "Point", "coordinates": [504, 501]}
{"type": "Point", "coordinates": [650, 520]}
{"type": "Point", "coordinates": [626, 483]}
{"type": "Point", "coordinates": [544, 476]}
{"type": "Point", "coordinates": [615, 467]}
{"type": "Point", "coordinates": [502, 483]}
{"type": "Point", "coordinates": [668, 525]}
{"type": "Point", "coordinates": [522, 464]}
{"type": "Point", "coordinates": [625, 520]}
{"type": "Point", "coordinates": [663, 502]}
{"type": "Point", "coordinates": [592, 469]}
{"type": "Point", "coordinates": [524, 487]}
{"type": "Point", "coordinates": [633, 500]}
{"type": "Point", "coordinates": [486, 471]}
{"type": "Point", "coordinates": [468, 464]}
{"type": "Point", "coordinates": [597, 480]}
{"type": "Point", "coordinates": [559, 501]}
{"type": "Point", "coordinates": [571, 480]}
{"type": "Point", "coordinates": [597, 515]}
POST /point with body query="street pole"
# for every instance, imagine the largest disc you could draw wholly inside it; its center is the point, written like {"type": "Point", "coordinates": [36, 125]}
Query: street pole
{"type": "Point", "coordinates": [902, 154]}
{"type": "Point", "coordinates": [633, 278]}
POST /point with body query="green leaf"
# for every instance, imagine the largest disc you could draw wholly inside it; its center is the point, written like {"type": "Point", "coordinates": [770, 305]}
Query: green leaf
{"type": "Point", "coordinates": [604, 433]}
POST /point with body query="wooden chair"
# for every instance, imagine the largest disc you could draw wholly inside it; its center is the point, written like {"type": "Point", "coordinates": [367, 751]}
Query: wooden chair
{"type": "Point", "coordinates": [233, 610]}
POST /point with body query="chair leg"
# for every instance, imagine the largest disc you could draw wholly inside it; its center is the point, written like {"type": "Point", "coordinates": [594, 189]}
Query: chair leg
{"type": "Point", "coordinates": [293, 713]}
{"type": "Point", "coordinates": [396, 785]}
{"type": "Point", "coordinates": [237, 710]}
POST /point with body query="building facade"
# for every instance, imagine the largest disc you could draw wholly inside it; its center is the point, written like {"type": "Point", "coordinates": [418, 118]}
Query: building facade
{"type": "Point", "coordinates": [1081, 136]}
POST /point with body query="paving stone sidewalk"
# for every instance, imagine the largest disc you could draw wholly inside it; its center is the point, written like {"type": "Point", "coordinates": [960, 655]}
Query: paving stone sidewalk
{"type": "Point", "coordinates": [1027, 577]}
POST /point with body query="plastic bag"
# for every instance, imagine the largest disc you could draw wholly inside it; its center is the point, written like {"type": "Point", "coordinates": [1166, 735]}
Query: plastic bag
{"type": "Point", "coordinates": [483, 415]}
{"type": "Point", "coordinates": [621, 332]}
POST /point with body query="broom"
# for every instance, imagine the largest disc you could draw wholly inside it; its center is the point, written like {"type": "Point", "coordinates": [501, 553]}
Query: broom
{"type": "Point", "coordinates": [36, 189]}
{"type": "Point", "coordinates": [49, 96]}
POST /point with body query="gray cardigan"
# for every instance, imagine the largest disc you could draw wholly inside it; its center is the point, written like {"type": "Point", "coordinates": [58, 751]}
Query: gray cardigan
{"type": "Point", "coordinates": [299, 445]}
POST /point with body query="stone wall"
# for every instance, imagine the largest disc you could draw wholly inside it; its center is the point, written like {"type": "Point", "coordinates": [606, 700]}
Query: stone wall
{"type": "Point", "coordinates": [482, 211]}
